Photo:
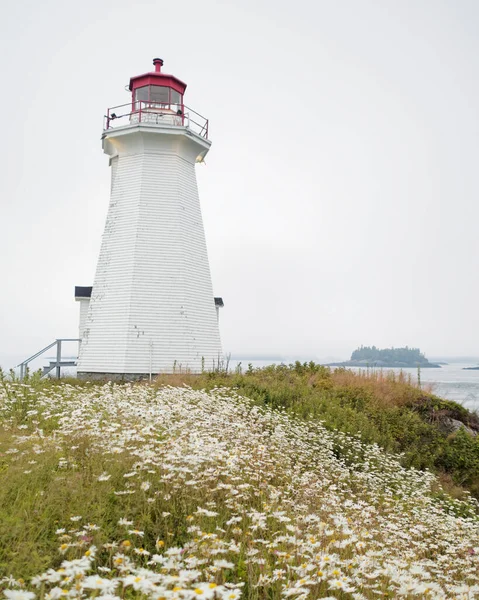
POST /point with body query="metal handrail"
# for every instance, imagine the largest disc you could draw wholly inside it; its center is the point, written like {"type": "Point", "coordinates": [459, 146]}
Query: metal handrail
{"type": "Point", "coordinates": [142, 107]}
{"type": "Point", "coordinates": [25, 362]}
{"type": "Point", "coordinates": [58, 343]}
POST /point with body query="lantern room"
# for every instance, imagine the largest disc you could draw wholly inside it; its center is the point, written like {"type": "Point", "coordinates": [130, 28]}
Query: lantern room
{"type": "Point", "coordinates": [156, 100]}
{"type": "Point", "coordinates": [157, 90]}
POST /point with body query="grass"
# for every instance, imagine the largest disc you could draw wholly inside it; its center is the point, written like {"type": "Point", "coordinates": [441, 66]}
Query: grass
{"type": "Point", "coordinates": [289, 493]}
{"type": "Point", "coordinates": [383, 408]}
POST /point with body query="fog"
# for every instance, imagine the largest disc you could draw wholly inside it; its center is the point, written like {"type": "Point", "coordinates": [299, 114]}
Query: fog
{"type": "Point", "coordinates": [340, 194]}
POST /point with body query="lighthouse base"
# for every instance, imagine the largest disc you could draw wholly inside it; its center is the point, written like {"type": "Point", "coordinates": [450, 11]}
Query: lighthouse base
{"type": "Point", "coordinates": [85, 376]}
{"type": "Point", "coordinates": [127, 377]}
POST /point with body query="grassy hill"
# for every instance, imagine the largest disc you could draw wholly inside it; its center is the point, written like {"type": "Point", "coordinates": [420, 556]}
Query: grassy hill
{"type": "Point", "coordinates": [380, 407]}
{"type": "Point", "coordinates": [160, 491]}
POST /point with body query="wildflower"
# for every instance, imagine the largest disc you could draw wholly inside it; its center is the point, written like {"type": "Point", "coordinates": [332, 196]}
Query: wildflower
{"type": "Point", "coordinates": [91, 552]}
{"type": "Point", "coordinates": [18, 595]}
{"type": "Point", "coordinates": [206, 513]}
{"type": "Point", "coordinates": [136, 532]}
{"type": "Point", "coordinates": [94, 582]}
{"type": "Point", "coordinates": [301, 514]}
{"type": "Point", "coordinates": [295, 591]}
{"type": "Point", "coordinates": [139, 583]}
{"type": "Point", "coordinates": [360, 545]}
{"type": "Point", "coordinates": [110, 546]}
{"type": "Point", "coordinates": [231, 595]}
{"type": "Point", "coordinates": [10, 581]}
{"type": "Point", "coordinates": [336, 584]}
{"type": "Point", "coordinates": [56, 593]}
{"type": "Point", "coordinates": [204, 590]}
{"type": "Point", "coordinates": [104, 477]}
{"type": "Point", "coordinates": [223, 564]}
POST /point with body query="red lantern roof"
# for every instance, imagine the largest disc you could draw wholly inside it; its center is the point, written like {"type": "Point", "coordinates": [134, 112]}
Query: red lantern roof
{"type": "Point", "coordinates": [156, 77]}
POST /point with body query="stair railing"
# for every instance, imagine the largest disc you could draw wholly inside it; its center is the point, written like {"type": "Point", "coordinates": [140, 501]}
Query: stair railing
{"type": "Point", "coordinates": [58, 363]}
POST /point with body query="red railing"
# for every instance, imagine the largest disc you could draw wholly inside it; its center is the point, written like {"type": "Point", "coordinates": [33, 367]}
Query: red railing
{"type": "Point", "coordinates": [156, 113]}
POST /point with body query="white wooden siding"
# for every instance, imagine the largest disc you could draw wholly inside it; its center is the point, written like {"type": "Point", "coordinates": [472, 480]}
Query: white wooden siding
{"type": "Point", "coordinates": [152, 299]}
{"type": "Point", "coordinates": [84, 303]}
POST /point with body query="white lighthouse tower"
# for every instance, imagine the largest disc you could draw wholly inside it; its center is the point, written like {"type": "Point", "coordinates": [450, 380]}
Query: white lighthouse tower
{"type": "Point", "coordinates": [151, 308]}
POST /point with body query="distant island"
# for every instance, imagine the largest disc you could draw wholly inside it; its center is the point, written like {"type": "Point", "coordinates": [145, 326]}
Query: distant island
{"type": "Point", "coordinates": [399, 358]}
{"type": "Point", "coordinates": [470, 368]}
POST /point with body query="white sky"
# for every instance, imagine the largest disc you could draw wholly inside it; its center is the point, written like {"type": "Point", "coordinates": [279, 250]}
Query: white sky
{"type": "Point", "coordinates": [340, 194]}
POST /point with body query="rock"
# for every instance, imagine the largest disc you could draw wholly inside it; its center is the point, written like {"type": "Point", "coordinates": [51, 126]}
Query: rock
{"type": "Point", "coordinates": [450, 425]}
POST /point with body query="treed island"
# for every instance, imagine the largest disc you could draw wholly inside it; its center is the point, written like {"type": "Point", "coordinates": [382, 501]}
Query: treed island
{"type": "Point", "coordinates": [402, 358]}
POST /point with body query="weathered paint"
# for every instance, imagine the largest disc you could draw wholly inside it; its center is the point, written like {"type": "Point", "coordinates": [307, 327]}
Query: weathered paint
{"type": "Point", "coordinates": [84, 304]}
{"type": "Point", "coordinates": [152, 306]}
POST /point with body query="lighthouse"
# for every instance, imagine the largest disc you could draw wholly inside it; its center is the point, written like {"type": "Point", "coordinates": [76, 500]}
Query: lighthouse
{"type": "Point", "coordinates": [151, 307]}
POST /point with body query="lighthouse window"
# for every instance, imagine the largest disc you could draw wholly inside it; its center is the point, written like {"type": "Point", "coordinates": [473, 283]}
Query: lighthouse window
{"type": "Point", "coordinates": [141, 94]}
{"type": "Point", "coordinates": [159, 94]}
{"type": "Point", "coordinates": [175, 97]}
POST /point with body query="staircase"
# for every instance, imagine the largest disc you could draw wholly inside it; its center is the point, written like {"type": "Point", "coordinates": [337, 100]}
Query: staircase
{"type": "Point", "coordinates": [58, 365]}
{"type": "Point", "coordinates": [54, 364]}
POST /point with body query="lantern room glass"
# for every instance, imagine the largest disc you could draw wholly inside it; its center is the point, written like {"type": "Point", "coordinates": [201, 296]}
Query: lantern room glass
{"type": "Point", "coordinates": [158, 96]}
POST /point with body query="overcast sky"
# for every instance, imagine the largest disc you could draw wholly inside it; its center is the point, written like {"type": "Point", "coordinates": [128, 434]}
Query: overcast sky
{"type": "Point", "coordinates": [340, 196]}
